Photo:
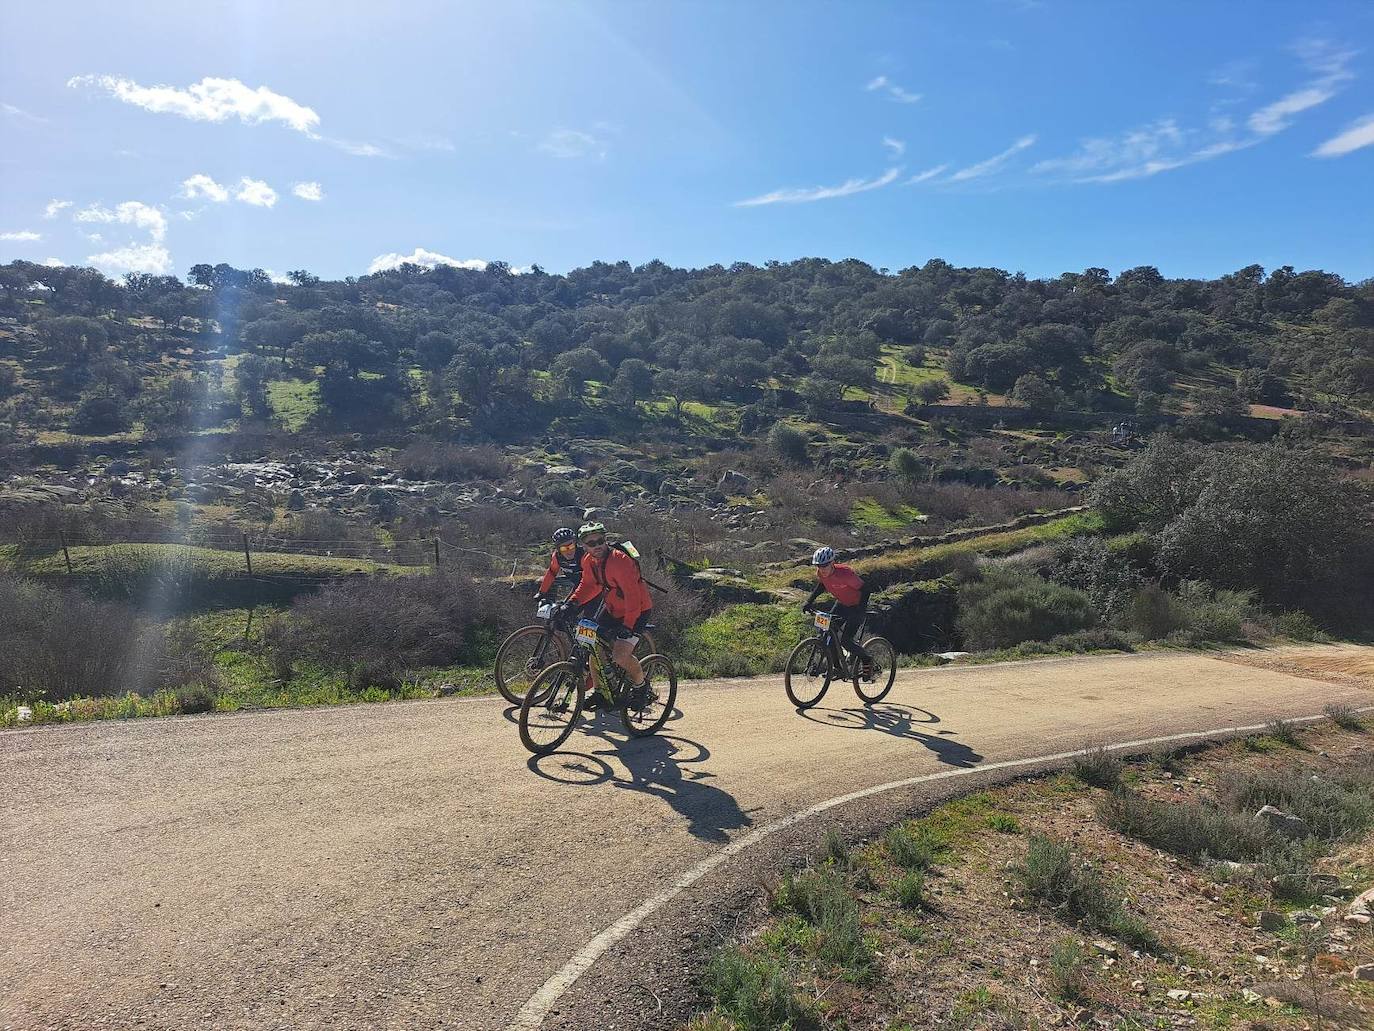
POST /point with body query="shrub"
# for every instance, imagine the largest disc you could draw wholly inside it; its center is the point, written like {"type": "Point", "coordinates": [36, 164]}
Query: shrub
{"type": "Point", "coordinates": [1331, 809]}
{"type": "Point", "coordinates": [758, 993]}
{"type": "Point", "coordinates": [1098, 767]}
{"type": "Point", "coordinates": [1067, 969]}
{"type": "Point", "coordinates": [822, 898]}
{"type": "Point", "coordinates": [1297, 625]}
{"type": "Point", "coordinates": [1282, 731]}
{"type": "Point", "coordinates": [1345, 717]}
{"type": "Point", "coordinates": [1011, 606]}
{"type": "Point", "coordinates": [905, 464]}
{"type": "Point", "coordinates": [835, 849]}
{"type": "Point", "coordinates": [1095, 639]}
{"type": "Point", "coordinates": [788, 443]}
{"type": "Point", "coordinates": [1191, 829]}
{"type": "Point", "coordinates": [909, 890]}
{"type": "Point", "coordinates": [431, 460]}
{"type": "Point", "coordinates": [1108, 577]}
{"type": "Point", "coordinates": [1052, 875]}
{"type": "Point", "coordinates": [909, 849]}
{"type": "Point", "coordinates": [1154, 614]}
{"type": "Point", "coordinates": [195, 698]}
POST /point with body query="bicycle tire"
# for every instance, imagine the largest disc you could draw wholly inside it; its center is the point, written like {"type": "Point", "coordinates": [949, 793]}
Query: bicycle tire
{"type": "Point", "coordinates": [884, 673]}
{"type": "Point", "coordinates": [657, 669]}
{"type": "Point", "coordinates": [507, 678]}
{"type": "Point", "coordinates": [810, 652]}
{"type": "Point", "coordinates": [562, 678]}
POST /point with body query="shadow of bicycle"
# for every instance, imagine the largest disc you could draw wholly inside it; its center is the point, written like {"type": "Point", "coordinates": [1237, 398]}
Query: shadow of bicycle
{"type": "Point", "coordinates": [664, 766]}
{"type": "Point", "coordinates": [899, 721]}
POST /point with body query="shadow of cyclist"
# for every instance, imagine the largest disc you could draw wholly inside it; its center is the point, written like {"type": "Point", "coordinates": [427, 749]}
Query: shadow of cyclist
{"type": "Point", "coordinates": [899, 721]}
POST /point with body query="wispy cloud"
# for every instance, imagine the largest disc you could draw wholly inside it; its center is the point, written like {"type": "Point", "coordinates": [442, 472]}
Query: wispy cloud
{"type": "Point", "coordinates": [897, 147]}
{"type": "Point", "coordinates": [255, 192]}
{"type": "Point", "coordinates": [815, 193]}
{"type": "Point", "coordinates": [895, 92]}
{"type": "Point", "coordinates": [308, 191]}
{"type": "Point", "coordinates": [138, 257]}
{"type": "Point", "coordinates": [1356, 135]}
{"type": "Point", "coordinates": [572, 143]}
{"type": "Point", "coordinates": [221, 100]}
{"type": "Point", "coordinates": [994, 163]}
{"type": "Point", "coordinates": [926, 176]}
{"type": "Point", "coordinates": [1234, 75]}
{"type": "Point", "coordinates": [423, 258]}
{"type": "Point", "coordinates": [201, 185]}
{"type": "Point", "coordinates": [55, 207]}
{"type": "Point", "coordinates": [20, 115]}
{"type": "Point", "coordinates": [21, 236]}
{"type": "Point", "coordinates": [1331, 65]}
{"type": "Point", "coordinates": [131, 212]}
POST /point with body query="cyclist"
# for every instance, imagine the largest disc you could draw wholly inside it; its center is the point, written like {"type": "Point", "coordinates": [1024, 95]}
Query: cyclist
{"type": "Point", "coordinates": [565, 564]}
{"type": "Point", "coordinates": [613, 573]}
{"type": "Point", "coordinates": [851, 600]}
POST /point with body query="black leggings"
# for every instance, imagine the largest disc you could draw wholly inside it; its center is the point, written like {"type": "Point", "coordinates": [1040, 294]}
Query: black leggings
{"type": "Point", "coordinates": [853, 616]}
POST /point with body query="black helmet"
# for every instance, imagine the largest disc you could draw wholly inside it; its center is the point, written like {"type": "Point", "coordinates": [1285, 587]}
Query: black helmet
{"type": "Point", "coordinates": [564, 535]}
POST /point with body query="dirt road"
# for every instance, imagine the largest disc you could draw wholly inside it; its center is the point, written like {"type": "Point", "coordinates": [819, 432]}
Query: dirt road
{"type": "Point", "coordinates": [405, 866]}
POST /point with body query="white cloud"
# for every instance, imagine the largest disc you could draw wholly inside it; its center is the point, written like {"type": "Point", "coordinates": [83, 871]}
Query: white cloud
{"type": "Point", "coordinates": [308, 191]}
{"type": "Point", "coordinates": [201, 185]}
{"type": "Point", "coordinates": [815, 193]}
{"type": "Point", "coordinates": [993, 163]}
{"type": "Point", "coordinates": [1168, 164]}
{"type": "Point", "coordinates": [1330, 63]}
{"type": "Point", "coordinates": [21, 236]}
{"type": "Point", "coordinates": [277, 277]}
{"type": "Point", "coordinates": [897, 147]}
{"type": "Point", "coordinates": [21, 115]}
{"type": "Point", "coordinates": [357, 149]}
{"type": "Point", "coordinates": [54, 262]}
{"type": "Point", "coordinates": [139, 257]}
{"type": "Point", "coordinates": [1356, 135]}
{"type": "Point", "coordinates": [210, 100]}
{"type": "Point", "coordinates": [897, 93]}
{"type": "Point", "coordinates": [54, 207]}
{"type": "Point", "coordinates": [1108, 153]}
{"type": "Point", "coordinates": [255, 192]}
{"type": "Point", "coordinates": [131, 212]}
{"type": "Point", "coordinates": [926, 176]}
{"type": "Point", "coordinates": [572, 143]}
{"type": "Point", "coordinates": [423, 258]}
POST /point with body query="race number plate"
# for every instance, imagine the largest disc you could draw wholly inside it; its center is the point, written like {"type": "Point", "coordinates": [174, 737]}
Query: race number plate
{"type": "Point", "coordinates": [822, 620]}
{"type": "Point", "coordinates": [545, 611]}
{"type": "Point", "coordinates": [586, 631]}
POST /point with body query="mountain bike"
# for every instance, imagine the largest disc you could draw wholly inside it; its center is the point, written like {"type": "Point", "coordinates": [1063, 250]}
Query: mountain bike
{"type": "Point", "coordinates": [553, 703]}
{"type": "Point", "coordinates": [819, 659]}
{"type": "Point", "coordinates": [530, 650]}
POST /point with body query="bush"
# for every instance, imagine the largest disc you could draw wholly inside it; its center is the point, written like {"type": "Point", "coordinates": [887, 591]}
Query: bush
{"type": "Point", "coordinates": [1107, 576]}
{"type": "Point", "coordinates": [909, 849]}
{"type": "Point", "coordinates": [822, 898]}
{"type": "Point", "coordinates": [788, 443]}
{"type": "Point", "coordinates": [904, 464]}
{"type": "Point", "coordinates": [1297, 625]}
{"type": "Point", "coordinates": [1011, 606]}
{"type": "Point", "coordinates": [431, 460]}
{"type": "Point", "coordinates": [1332, 810]}
{"type": "Point", "coordinates": [1190, 829]}
{"type": "Point", "coordinates": [1052, 875]}
{"type": "Point", "coordinates": [1067, 969]}
{"type": "Point", "coordinates": [1098, 767]}
{"type": "Point", "coordinates": [195, 698]}
{"type": "Point", "coordinates": [1153, 614]}
{"type": "Point", "coordinates": [909, 891]}
{"type": "Point", "coordinates": [1345, 717]}
{"type": "Point", "coordinates": [60, 644]}
{"type": "Point", "coordinates": [759, 994]}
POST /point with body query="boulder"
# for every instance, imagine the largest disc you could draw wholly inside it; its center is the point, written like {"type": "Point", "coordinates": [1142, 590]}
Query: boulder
{"type": "Point", "coordinates": [1269, 920]}
{"type": "Point", "coordinates": [735, 483]}
{"type": "Point", "coordinates": [564, 472]}
{"type": "Point", "coordinates": [1289, 826]}
{"type": "Point", "coordinates": [1363, 972]}
{"type": "Point", "coordinates": [295, 501]}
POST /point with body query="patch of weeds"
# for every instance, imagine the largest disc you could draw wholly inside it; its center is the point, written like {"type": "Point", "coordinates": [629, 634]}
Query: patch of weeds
{"type": "Point", "coordinates": [757, 993]}
{"type": "Point", "coordinates": [910, 931]}
{"type": "Point", "coordinates": [1331, 808]}
{"type": "Point", "coordinates": [1055, 877]}
{"type": "Point", "coordinates": [1190, 829]}
{"type": "Point", "coordinates": [1168, 760]}
{"type": "Point", "coordinates": [909, 891]}
{"type": "Point", "coordinates": [1067, 969]}
{"type": "Point", "coordinates": [834, 849]}
{"type": "Point", "coordinates": [1345, 717]}
{"type": "Point", "coordinates": [909, 848]}
{"type": "Point", "coordinates": [969, 1005]}
{"type": "Point", "coordinates": [1098, 768]}
{"type": "Point", "coordinates": [1283, 732]}
{"type": "Point", "coordinates": [1004, 823]}
{"type": "Point", "coordinates": [1258, 743]}
{"type": "Point", "coordinates": [822, 898]}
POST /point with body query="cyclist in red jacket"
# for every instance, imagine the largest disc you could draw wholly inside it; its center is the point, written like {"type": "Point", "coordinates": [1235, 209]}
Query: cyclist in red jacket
{"type": "Point", "coordinates": [565, 564]}
{"type": "Point", "coordinates": [851, 600]}
{"type": "Point", "coordinates": [614, 574]}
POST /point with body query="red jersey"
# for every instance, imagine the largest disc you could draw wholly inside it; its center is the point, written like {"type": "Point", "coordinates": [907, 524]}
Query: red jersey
{"type": "Point", "coordinates": [843, 583]}
{"type": "Point", "coordinates": [627, 596]}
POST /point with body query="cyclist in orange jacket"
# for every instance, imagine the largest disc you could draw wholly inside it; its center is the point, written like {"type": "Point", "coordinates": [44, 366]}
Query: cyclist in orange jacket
{"type": "Point", "coordinates": [851, 600]}
{"type": "Point", "coordinates": [565, 564]}
{"type": "Point", "coordinates": [614, 574]}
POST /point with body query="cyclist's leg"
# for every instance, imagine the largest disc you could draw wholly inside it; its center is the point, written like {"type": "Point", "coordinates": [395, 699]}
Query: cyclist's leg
{"type": "Point", "coordinates": [853, 617]}
{"type": "Point", "coordinates": [624, 654]}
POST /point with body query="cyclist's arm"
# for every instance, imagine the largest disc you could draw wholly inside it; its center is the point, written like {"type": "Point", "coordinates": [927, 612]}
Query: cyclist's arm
{"type": "Point", "coordinates": [546, 584]}
{"type": "Point", "coordinates": [587, 588]}
{"type": "Point", "coordinates": [815, 593]}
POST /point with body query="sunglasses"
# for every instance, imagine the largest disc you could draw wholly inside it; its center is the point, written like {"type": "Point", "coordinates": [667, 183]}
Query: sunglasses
{"type": "Point", "coordinates": [567, 545]}
{"type": "Point", "coordinates": [593, 542]}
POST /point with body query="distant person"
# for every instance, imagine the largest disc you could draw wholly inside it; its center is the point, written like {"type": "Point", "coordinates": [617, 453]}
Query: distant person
{"type": "Point", "coordinates": [613, 573]}
{"type": "Point", "coordinates": [851, 600]}
{"type": "Point", "coordinates": [565, 565]}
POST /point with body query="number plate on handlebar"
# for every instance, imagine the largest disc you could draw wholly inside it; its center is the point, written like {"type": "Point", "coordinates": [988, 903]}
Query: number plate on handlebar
{"type": "Point", "coordinates": [822, 620]}
{"type": "Point", "coordinates": [545, 611]}
{"type": "Point", "coordinates": [586, 631]}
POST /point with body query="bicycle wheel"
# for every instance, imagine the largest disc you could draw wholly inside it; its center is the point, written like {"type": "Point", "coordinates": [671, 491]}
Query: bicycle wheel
{"type": "Point", "coordinates": [647, 714]}
{"type": "Point", "coordinates": [884, 671]}
{"type": "Point", "coordinates": [523, 656]}
{"type": "Point", "coordinates": [807, 676]}
{"type": "Point", "coordinates": [551, 708]}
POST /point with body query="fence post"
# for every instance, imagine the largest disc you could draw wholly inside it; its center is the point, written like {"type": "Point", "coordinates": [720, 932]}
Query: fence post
{"type": "Point", "coordinates": [66, 556]}
{"type": "Point", "coordinates": [436, 552]}
{"type": "Point", "coordinates": [247, 559]}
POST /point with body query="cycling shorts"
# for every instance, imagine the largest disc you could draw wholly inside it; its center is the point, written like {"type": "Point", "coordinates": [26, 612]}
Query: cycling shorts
{"type": "Point", "coordinates": [614, 630]}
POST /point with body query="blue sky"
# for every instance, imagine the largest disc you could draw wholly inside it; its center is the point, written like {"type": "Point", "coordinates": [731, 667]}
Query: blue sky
{"type": "Point", "coordinates": [1032, 135]}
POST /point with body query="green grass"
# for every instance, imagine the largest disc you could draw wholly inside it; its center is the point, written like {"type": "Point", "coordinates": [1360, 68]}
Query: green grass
{"type": "Point", "coordinates": [740, 640]}
{"type": "Point", "coordinates": [867, 514]}
{"type": "Point", "coordinates": [294, 402]}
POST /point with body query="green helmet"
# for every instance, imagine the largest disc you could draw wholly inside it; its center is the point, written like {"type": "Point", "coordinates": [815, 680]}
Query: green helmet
{"type": "Point", "coordinates": [587, 528]}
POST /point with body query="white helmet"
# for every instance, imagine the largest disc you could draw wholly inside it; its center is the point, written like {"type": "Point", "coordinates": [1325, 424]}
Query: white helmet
{"type": "Point", "coordinates": [823, 557]}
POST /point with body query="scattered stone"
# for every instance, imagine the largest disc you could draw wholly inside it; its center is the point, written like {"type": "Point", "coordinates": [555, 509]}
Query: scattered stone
{"type": "Point", "coordinates": [1268, 920]}
{"type": "Point", "coordinates": [1283, 823]}
{"type": "Point", "coordinates": [1363, 972]}
{"type": "Point", "coordinates": [1253, 998]}
{"type": "Point", "coordinates": [23, 714]}
{"type": "Point", "coordinates": [735, 483]}
{"type": "Point", "coordinates": [1358, 919]}
{"type": "Point", "coordinates": [564, 472]}
{"type": "Point", "coordinates": [1304, 916]}
{"type": "Point", "coordinates": [1180, 994]}
{"type": "Point", "coordinates": [1106, 948]}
